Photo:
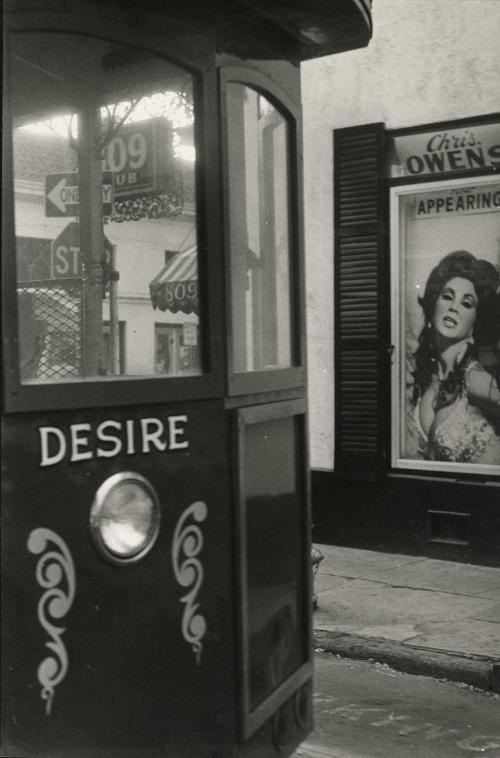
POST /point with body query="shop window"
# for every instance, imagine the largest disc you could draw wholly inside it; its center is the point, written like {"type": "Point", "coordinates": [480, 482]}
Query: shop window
{"type": "Point", "coordinates": [446, 325]}
{"type": "Point", "coordinates": [177, 349]}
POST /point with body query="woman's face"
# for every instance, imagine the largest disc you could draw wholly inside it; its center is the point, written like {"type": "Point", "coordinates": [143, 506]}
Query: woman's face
{"type": "Point", "coordinates": [455, 310]}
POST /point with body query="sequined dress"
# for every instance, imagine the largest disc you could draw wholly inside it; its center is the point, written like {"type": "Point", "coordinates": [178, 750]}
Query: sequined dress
{"type": "Point", "coordinates": [463, 436]}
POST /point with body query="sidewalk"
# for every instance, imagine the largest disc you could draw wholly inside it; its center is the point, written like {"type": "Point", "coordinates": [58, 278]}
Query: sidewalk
{"type": "Point", "coordinates": [418, 615]}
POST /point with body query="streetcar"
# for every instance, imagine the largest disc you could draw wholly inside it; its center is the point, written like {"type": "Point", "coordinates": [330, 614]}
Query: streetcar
{"type": "Point", "coordinates": [156, 557]}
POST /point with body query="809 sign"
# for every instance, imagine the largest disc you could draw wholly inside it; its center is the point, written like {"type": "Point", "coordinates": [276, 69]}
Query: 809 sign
{"type": "Point", "coordinates": [140, 157]}
{"type": "Point", "coordinates": [125, 157]}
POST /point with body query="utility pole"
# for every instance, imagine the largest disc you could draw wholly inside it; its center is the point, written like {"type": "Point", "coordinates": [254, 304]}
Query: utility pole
{"type": "Point", "coordinates": [114, 322]}
{"type": "Point", "coordinates": [91, 234]}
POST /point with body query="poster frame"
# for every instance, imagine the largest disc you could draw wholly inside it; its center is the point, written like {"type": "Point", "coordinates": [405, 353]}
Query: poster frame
{"type": "Point", "coordinates": [398, 367]}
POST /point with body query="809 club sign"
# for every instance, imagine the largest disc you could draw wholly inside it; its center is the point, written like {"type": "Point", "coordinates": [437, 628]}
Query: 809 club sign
{"type": "Point", "coordinates": [138, 160]}
{"type": "Point", "coordinates": [140, 157]}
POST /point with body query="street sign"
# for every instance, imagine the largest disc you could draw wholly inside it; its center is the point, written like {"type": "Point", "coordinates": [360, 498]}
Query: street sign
{"type": "Point", "coordinates": [66, 259]}
{"type": "Point", "coordinates": [62, 194]}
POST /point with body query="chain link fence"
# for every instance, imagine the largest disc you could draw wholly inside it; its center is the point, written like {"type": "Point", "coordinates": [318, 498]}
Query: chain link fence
{"type": "Point", "coordinates": [50, 329]}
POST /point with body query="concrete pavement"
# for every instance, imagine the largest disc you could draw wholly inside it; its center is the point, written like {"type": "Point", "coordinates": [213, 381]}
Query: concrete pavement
{"type": "Point", "coordinates": [364, 710]}
{"type": "Point", "coordinates": [418, 615]}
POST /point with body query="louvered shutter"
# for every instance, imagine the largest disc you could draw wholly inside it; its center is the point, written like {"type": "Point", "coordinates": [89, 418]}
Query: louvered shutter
{"type": "Point", "coordinates": [361, 307]}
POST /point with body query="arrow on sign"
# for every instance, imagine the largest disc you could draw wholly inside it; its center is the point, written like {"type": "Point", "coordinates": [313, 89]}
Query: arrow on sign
{"type": "Point", "coordinates": [62, 194]}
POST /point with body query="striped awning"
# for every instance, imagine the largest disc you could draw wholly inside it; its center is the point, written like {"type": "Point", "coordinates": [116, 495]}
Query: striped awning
{"type": "Point", "coordinates": [175, 287]}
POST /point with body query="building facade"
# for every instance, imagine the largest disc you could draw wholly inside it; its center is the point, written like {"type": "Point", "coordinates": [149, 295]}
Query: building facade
{"type": "Point", "coordinates": [401, 146]}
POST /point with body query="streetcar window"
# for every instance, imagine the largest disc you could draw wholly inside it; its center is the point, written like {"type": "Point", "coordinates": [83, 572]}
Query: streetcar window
{"type": "Point", "coordinates": [105, 212]}
{"type": "Point", "coordinates": [258, 166]}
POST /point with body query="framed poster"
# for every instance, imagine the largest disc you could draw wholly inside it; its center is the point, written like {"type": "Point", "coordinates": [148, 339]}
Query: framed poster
{"type": "Point", "coordinates": [445, 326]}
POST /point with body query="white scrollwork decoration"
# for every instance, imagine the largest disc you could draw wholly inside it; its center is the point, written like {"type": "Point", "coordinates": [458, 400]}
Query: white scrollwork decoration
{"type": "Point", "coordinates": [186, 545]}
{"type": "Point", "coordinates": [56, 574]}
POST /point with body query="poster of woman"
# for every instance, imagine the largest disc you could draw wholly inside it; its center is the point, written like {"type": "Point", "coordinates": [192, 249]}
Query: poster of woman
{"type": "Point", "coordinates": [446, 325]}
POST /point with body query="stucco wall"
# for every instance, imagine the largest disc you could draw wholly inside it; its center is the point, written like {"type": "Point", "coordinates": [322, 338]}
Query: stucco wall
{"type": "Point", "coordinates": [428, 60]}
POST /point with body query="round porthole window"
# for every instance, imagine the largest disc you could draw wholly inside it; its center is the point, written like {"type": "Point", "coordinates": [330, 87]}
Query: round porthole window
{"type": "Point", "coordinates": [125, 517]}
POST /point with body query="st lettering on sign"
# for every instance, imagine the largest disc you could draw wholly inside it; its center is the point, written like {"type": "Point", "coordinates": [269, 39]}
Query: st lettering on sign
{"type": "Point", "coordinates": [66, 258]}
{"type": "Point", "coordinates": [141, 158]}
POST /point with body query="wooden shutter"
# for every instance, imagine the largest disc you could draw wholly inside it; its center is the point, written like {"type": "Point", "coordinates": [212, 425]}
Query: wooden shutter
{"type": "Point", "coordinates": [361, 307]}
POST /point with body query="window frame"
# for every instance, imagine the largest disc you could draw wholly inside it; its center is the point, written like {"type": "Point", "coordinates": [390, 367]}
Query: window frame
{"type": "Point", "coordinates": [122, 390]}
{"type": "Point", "coordinates": [251, 382]}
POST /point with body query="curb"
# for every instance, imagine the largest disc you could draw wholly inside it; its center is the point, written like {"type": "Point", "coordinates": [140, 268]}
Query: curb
{"type": "Point", "coordinates": [310, 750]}
{"type": "Point", "coordinates": [476, 671]}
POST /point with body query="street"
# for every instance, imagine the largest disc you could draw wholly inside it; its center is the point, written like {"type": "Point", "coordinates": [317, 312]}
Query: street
{"type": "Point", "coordinates": [367, 710]}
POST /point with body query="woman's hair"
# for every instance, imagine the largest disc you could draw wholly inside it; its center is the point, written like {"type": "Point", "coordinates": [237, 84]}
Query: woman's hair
{"type": "Point", "coordinates": [485, 278]}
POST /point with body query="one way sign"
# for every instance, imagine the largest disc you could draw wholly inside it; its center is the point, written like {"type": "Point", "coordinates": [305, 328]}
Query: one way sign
{"type": "Point", "coordinates": [62, 194]}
